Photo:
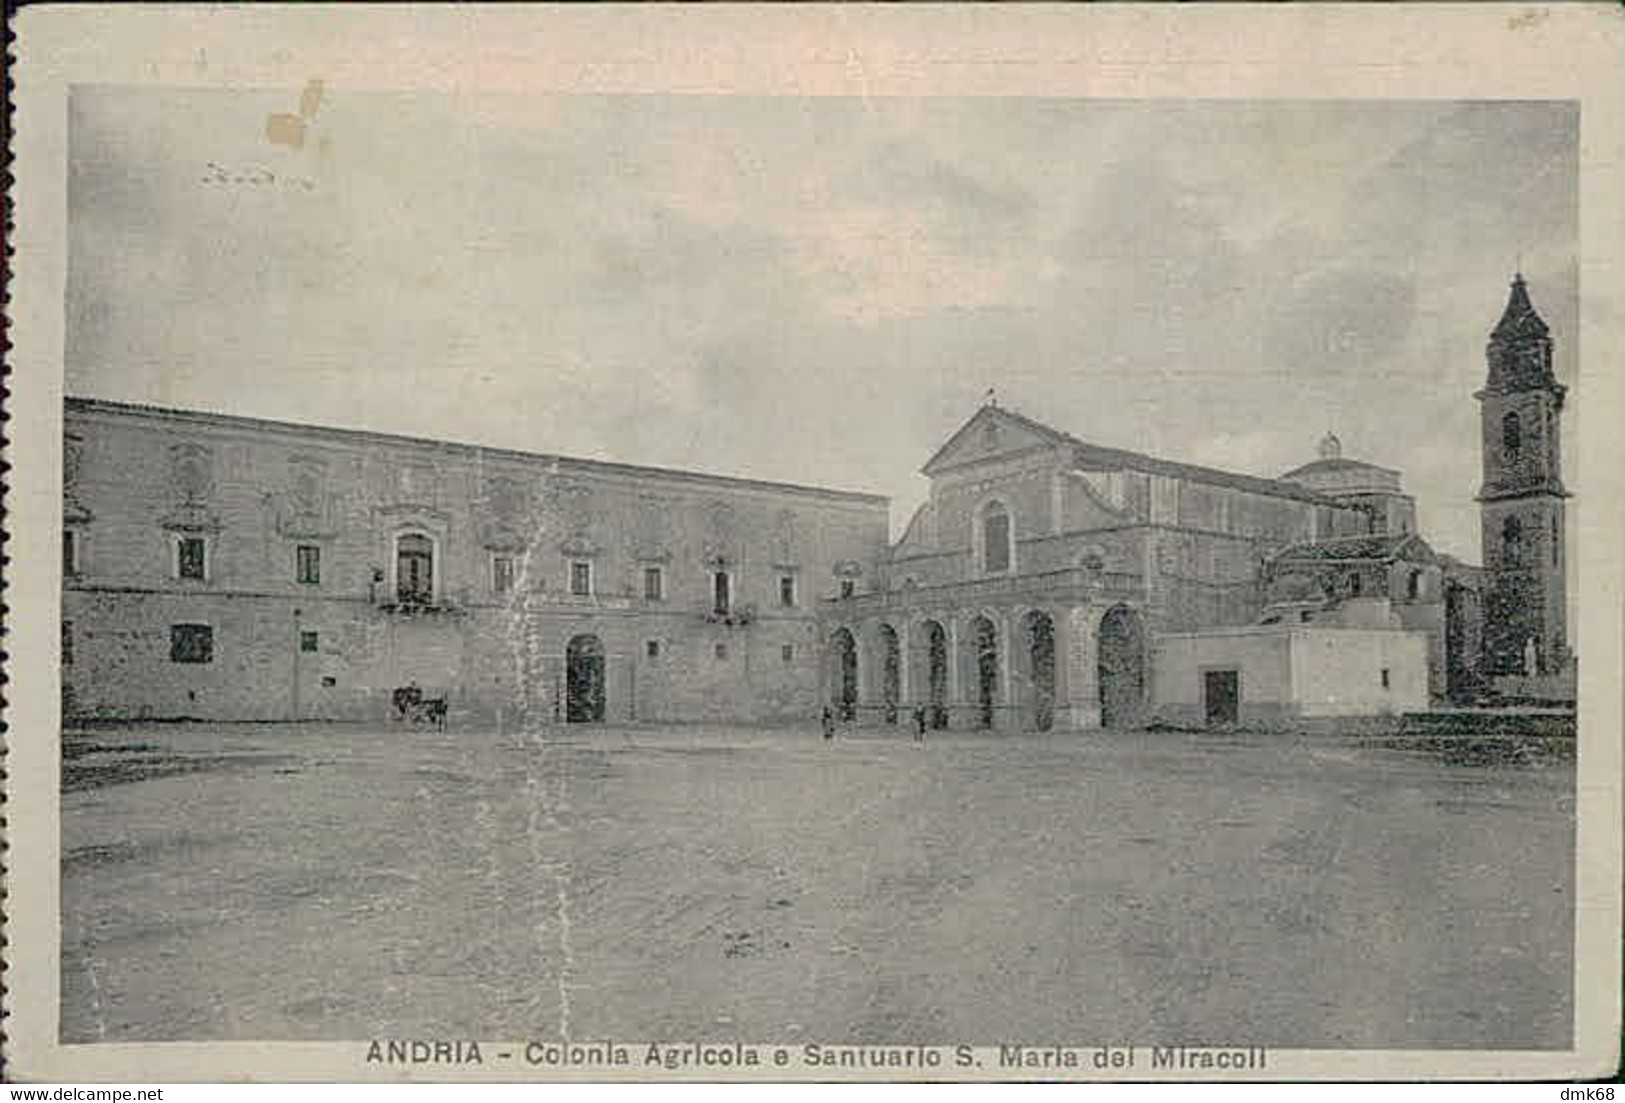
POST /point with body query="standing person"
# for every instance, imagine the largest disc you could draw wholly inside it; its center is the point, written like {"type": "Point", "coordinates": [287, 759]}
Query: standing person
{"type": "Point", "coordinates": [919, 723]}
{"type": "Point", "coordinates": [829, 722]}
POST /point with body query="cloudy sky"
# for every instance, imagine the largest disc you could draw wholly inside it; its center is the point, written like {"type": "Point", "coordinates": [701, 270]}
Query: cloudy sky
{"type": "Point", "coordinates": [821, 290]}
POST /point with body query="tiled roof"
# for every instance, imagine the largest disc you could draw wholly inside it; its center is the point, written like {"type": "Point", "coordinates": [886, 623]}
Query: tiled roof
{"type": "Point", "coordinates": [1316, 467]}
{"type": "Point", "coordinates": [368, 436]}
{"type": "Point", "coordinates": [1387, 546]}
{"type": "Point", "coordinates": [1095, 454]}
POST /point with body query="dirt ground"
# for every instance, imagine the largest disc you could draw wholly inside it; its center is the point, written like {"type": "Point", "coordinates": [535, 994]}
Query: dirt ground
{"type": "Point", "coordinates": [332, 882]}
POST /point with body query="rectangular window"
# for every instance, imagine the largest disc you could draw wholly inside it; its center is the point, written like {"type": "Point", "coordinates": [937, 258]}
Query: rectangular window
{"type": "Point", "coordinates": [191, 643]}
{"type": "Point", "coordinates": [788, 652]}
{"type": "Point", "coordinates": [308, 564]}
{"type": "Point", "coordinates": [502, 573]}
{"type": "Point", "coordinates": [581, 578]}
{"type": "Point", "coordinates": [722, 651]}
{"type": "Point", "coordinates": [67, 643]}
{"type": "Point", "coordinates": [721, 593]}
{"type": "Point", "coordinates": [787, 590]}
{"type": "Point", "coordinates": [652, 649]}
{"type": "Point", "coordinates": [191, 557]}
{"type": "Point", "coordinates": [414, 569]}
{"type": "Point", "coordinates": [70, 553]}
{"type": "Point", "coordinates": [654, 584]}
{"type": "Point", "coordinates": [848, 587]}
{"type": "Point", "coordinates": [308, 641]}
{"type": "Point", "coordinates": [1385, 682]}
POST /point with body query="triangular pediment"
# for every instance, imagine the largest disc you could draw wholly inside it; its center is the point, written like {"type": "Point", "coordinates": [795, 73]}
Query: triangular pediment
{"type": "Point", "coordinates": [992, 433]}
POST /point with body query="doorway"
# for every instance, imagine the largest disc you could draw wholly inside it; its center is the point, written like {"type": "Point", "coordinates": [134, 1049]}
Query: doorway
{"type": "Point", "coordinates": [584, 681]}
{"type": "Point", "coordinates": [1121, 668]}
{"type": "Point", "coordinates": [1221, 697]}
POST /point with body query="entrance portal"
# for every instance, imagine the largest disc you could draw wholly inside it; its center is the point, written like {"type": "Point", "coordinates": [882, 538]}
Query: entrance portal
{"type": "Point", "coordinates": [584, 680]}
{"type": "Point", "coordinates": [1221, 697]}
{"type": "Point", "coordinates": [1122, 668]}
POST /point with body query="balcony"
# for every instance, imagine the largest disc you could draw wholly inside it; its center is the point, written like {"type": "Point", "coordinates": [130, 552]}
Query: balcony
{"type": "Point", "coordinates": [1071, 584]}
{"type": "Point", "coordinates": [739, 616]}
{"type": "Point", "coordinates": [408, 606]}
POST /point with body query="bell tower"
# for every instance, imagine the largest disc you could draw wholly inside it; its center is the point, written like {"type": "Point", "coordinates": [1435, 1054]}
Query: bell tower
{"type": "Point", "coordinates": [1521, 498]}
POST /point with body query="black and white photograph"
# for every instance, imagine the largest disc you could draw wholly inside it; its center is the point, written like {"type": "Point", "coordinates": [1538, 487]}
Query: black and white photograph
{"type": "Point", "coordinates": [858, 583]}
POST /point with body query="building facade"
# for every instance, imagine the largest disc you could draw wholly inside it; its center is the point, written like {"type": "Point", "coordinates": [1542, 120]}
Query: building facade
{"type": "Point", "coordinates": [233, 569]}
{"type": "Point", "coordinates": [230, 568]}
{"type": "Point", "coordinates": [1027, 590]}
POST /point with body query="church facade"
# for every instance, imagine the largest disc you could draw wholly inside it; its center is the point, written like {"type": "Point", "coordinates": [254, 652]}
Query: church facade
{"type": "Point", "coordinates": [230, 568]}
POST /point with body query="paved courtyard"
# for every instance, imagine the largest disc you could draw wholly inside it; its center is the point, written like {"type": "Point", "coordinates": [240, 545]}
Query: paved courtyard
{"type": "Point", "coordinates": [335, 882]}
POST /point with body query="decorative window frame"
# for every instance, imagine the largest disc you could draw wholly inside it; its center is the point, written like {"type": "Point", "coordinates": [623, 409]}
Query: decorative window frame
{"type": "Point", "coordinates": [979, 536]}
{"type": "Point", "coordinates": [727, 572]}
{"type": "Point", "coordinates": [503, 555]}
{"type": "Point", "coordinates": [659, 571]}
{"type": "Point", "coordinates": [570, 565]}
{"type": "Point", "coordinates": [793, 578]}
{"type": "Point", "coordinates": [437, 558]}
{"type": "Point", "coordinates": [175, 541]}
{"type": "Point", "coordinates": [298, 564]}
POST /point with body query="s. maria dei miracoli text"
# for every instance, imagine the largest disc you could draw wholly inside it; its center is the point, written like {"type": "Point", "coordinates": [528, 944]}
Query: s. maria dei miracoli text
{"type": "Point", "coordinates": [227, 568]}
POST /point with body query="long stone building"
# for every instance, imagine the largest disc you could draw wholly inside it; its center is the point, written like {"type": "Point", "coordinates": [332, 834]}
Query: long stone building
{"type": "Point", "coordinates": [230, 568]}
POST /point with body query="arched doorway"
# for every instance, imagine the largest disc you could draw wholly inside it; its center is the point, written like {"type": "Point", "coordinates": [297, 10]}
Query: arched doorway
{"type": "Point", "coordinates": [1039, 632]}
{"type": "Point", "coordinates": [584, 680]}
{"type": "Point", "coordinates": [1122, 668]}
{"type": "Point", "coordinates": [891, 672]}
{"type": "Point", "coordinates": [984, 642]}
{"type": "Point", "coordinates": [843, 649]}
{"type": "Point", "coordinates": [936, 673]}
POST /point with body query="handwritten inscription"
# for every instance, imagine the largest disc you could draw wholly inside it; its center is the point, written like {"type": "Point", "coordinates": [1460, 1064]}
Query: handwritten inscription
{"type": "Point", "coordinates": [253, 176]}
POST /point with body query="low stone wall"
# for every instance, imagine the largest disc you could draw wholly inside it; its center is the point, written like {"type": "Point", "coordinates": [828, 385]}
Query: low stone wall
{"type": "Point", "coordinates": [1475, 722]}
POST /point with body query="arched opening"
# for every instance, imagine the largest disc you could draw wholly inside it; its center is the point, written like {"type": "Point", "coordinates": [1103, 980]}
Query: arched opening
{"type": "Point", "coordinates": [1512, 542]}
{"type": "Point", "coordinates": [1122, 668]}
{"type": "Point", "coordinates": [1039, 630]}
{"type": "Point", "coordinates": [414, 569]}
{"type": "Point", "coordinates": [995, 538]}
{"type": "Point", "coordinates": [984, 642]}
{"type": "Point", "coordinates": [891, 672]}
{"type": "Point", "coordinates": [1511, 437]}
{"type": "Point", "coordinates": [843, 650]}
{"type": "Point", "coordinates": [1413, 584]}
{"type": "Point", "coordinates": [584, 680]}
{"type": "Point", "coordinates": [936, 674]}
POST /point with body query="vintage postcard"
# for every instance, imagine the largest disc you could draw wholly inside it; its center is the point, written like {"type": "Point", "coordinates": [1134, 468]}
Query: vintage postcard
{"type": "Point", "coordinates": [830, 543]}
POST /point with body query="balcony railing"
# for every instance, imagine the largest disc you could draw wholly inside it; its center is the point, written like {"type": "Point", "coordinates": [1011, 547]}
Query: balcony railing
{"type": "Point", "coordinates": [1077, 582]}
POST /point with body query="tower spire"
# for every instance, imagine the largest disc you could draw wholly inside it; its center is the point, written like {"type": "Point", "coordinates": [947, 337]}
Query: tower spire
{"type": "Point", "coordinates": [1520, 345]}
